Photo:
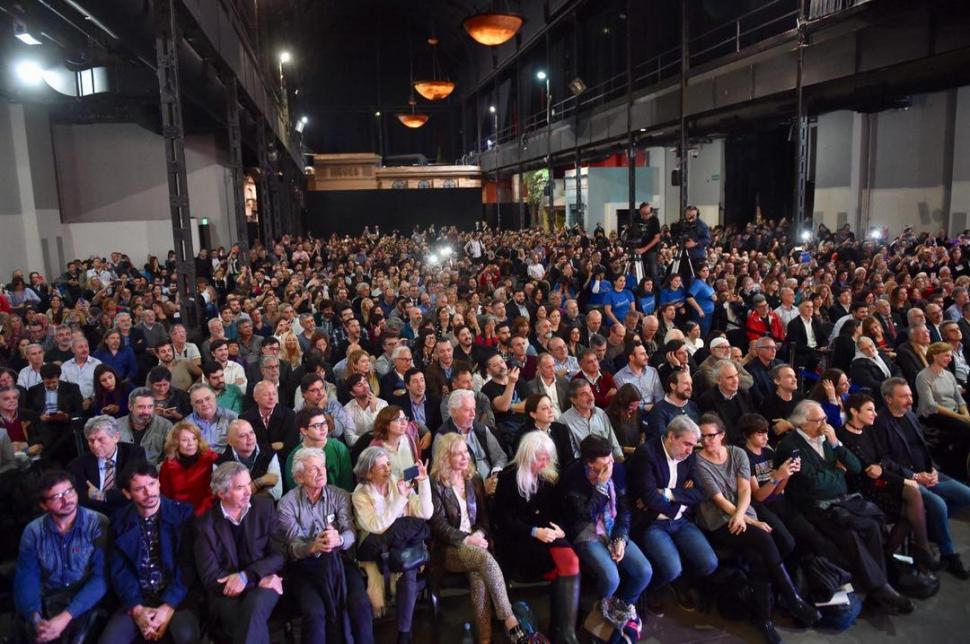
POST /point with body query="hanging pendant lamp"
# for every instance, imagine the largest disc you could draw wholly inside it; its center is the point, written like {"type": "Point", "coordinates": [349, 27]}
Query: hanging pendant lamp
{"type": "Point", "coordinates": [435, 89]}
{"type": "Point", "coordinates": [412, 119]}
{"type": "Point", "coordinates": [493, 28]}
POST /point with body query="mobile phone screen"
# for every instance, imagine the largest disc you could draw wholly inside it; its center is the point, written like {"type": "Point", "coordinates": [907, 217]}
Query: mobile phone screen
{"type": "Point", "coordinates": [411, 473]}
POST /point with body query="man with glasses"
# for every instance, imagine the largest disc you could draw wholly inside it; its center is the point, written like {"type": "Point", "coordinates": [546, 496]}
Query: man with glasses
{"type": "Point", "coordinates": [208, 416]}
{"type": "Point", "coordinates": [393, 380]}
{"type": "Point", "coordinates": [60, 577]}
{"type": "Point", "coordinates": [315, 432]}
{"type": "Point", "coordinates": [763, 322]}
{"type": "Point", "coordinates": [819, 490]}
{"type": "Point", "coordinates": [727, 400]}
{"type": "Point", "coordinates": [760, 364]}
{"type": "Point", "coordinates": [385, 362]}
{"type": "Point", "coordinates": [317, 392]}
{"type": "Point", "coordinates": [704, 377]}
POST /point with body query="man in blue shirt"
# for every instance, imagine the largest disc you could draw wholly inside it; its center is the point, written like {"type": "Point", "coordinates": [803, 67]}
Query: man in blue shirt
{"type": "Point", "coordinates": [60, 568]}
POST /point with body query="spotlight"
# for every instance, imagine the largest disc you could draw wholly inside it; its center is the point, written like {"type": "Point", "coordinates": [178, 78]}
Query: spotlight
{"type": "Point", "coordinates": [377, 114]}
{"type": "Point", "coordinates": [432, 259]}
{"type": "Point", "coordinates": [304, 119]}
{"type": "Point", "coordinates": [30, 73]}
{"type": "Point", "coordinates": [806, 235]}
{"type": "Point", "coordinates": [541, 75]}
{"type": "Point", "coordinates": [491, 108]}
{"type": "Point", "coordinates": [446, 251]}
{"type": "Point", "coordinates": [875, 233]}
{"type": "Point", "coordinates": [285, 57]}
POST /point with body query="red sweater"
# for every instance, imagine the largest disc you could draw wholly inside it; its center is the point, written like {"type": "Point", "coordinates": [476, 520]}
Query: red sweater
{"type": "Point", "coordinates": [189, 484]}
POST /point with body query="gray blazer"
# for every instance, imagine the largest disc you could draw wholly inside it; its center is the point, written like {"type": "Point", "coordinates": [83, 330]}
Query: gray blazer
{"type": "Point", "coordinates": [153, 441]}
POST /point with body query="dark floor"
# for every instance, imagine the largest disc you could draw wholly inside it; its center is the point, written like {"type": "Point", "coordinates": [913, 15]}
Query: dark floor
{"type": "Point", "coordinates": [941, 619]}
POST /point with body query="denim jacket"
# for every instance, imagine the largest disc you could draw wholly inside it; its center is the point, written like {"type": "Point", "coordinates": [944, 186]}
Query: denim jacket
{"type": "Point", "coordinates": [51, 563]}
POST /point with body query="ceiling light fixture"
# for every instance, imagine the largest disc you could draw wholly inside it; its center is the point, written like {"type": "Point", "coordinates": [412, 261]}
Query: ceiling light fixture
{"type": "Point", "coordinates": [20, 33]}
{"type": "Point", "coordinates": [493, 28]}
{"type": "Point", "coordinates": [435, 89]}
{"type": "Point", "coordinates": [411, 119]}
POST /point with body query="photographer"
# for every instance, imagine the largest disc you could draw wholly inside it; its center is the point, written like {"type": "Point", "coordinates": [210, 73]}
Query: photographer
{"type": "Point", "coordinates": [644, 236]}
{"type": "Point", "coordinates": [693, 236]}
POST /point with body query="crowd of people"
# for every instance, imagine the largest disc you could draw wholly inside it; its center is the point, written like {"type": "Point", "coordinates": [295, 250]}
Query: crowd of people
{"type": "Point", "coordinates": [628, 415]}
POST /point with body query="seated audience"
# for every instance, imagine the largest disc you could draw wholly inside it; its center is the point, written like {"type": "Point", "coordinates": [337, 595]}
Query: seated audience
{"type": "Point", "coordinates": [263, 464]}
{"type": "Point", "coordinates": [143, 427]}
{"type": "Point", "coordinates": [392, 431]}
{"type": "Point", "coordinates": [584, 418]}
{"type": "Point", "coordinates": [677, 402]}
{"type": "Point", "coordinates": [110, 393]}
{"type": "Point", "coordinates": [187, 469]}
{"type": "Point", "coordinates": [362, 407]}
{"type": "Point", "coordinates": [727, 400]}
{"type": "Point", "coordinates": [96, 471]}
{"type": "Point", "coordinates": [314, 426]}
{"type": "Point", "coordinates": [488, 455]}
{"type": "Point", "coordinates": [209, 417]}
{"type": "Point", "coordinates": [273, 422]}
{"type": "Point", "coordinates": [944, 410]}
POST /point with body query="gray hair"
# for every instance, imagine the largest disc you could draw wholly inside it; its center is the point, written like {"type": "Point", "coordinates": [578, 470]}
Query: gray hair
{"type": "Point", "coordinates": [399, 351]}
{"type": "Point", "coordinates": [800, 414]}
{"type": "Point", "coordinates": [775, 372]}
{"type": "Point", "coordinates": [101, 423]}
{"type": "Point", "coordinates": [223, 475]}
{"type": "Point", "coordinates": [913, 313]}
{"type": "Point", "coordinates": [139, 392]}
{"type": "Point", "coordinates": [301, 456]}
{"type": "Point", "coordinates": [721, 365]}
{"type": "Point", "coordinates": [266, 359]}
{"type": "Point", "coordinates": [367, 459]}
{"type": "Point", "coordinates": [596, 340]}
{"type": "Point", "coordinates": [889, 385]}
{"type": "Point", "coordinates": [683, 425]}
{"type": "Point", "coordinates": [532, 444]}
{"type": "Point", "coordinates": [201, 385]}
{"type": "Point", "coordinates": [575, 386]}
{"type": "Point", "coordinates": [456, 397]}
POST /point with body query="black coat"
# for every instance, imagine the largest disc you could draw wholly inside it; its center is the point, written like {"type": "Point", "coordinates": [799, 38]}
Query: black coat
{"type": "Point", "coordinates": [797, 339]}
{"type": "Point", "coordinates": [68, 398]}
{"type": "Point", "coordinates": [84, 468]}
{"type": "Point", "coordinates": [910, 364]}
{"type": "Point", "coordinates": [432, 410]}
{"type": "Point", "coordinates": [282, 428]}
{"type": "Point", "coordinates": [728, 410]}
{"type": "Point", "coordinates": [647, 474]}
{"type": "Point", "coordinates": [864, 373]}
{"type": "Point", "coordinates": [446, 521]}
{"type": "Point", "coordinates": [895, 445]}
{"type": "Point", "coordinates": [258, 553]}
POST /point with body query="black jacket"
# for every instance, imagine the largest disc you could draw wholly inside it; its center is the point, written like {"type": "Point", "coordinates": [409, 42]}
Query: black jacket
{"type": "Point", "coordinates": [584, 502]}
{"type": "Point", "coordinates": [909, 362]}
{"type": "Point", "coordinates": [68, 398]}
{"type": "Point", "coordinates": [864, 373]}
{"type": "Point", "coordinates": [84, 468]}
{"type": "Point", "coordinates": [432, 410]}
{"type": "Point", "coordinates": [282, 428]}
{"type": "Point", "coordinates": [728, 410]}
{"type": "Point", "coordinates": [797, 338]}
{"type": "Point", "coordinates": [647, 474]}
{"type": "Point", "coordinates": [895, 445]}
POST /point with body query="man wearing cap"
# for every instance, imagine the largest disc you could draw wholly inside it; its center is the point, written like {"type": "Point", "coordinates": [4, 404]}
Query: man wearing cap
{"type": "Point", "coordinates": [704, 377]}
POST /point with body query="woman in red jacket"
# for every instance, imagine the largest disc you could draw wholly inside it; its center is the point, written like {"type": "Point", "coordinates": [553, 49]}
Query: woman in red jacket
{"type": "Point", "coordinates": [187, 468]}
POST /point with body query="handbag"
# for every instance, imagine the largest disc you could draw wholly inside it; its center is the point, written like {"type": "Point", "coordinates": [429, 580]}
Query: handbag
{"type": "Point", "coordinates": [408, 558]}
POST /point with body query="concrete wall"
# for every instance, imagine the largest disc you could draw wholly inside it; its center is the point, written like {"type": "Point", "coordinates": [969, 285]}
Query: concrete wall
{"type": "Point", "coordinates": [76, 190]}
{"type": "Point", "coordinates": [705, 182]}
{"type": "Point", "coordinates": [896, 167]}
{"type": "Point", "coordinates": [608, 191]}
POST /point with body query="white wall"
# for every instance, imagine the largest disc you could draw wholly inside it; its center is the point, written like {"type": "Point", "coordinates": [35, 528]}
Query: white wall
{"type": "Point", "coordinates": [705, 181]}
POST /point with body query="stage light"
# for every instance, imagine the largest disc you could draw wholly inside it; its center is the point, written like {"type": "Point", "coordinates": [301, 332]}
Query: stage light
{"type": "Point", "coordinates": [285, 57]}
{"type": "Point", "coordinates": [541, 75]}
{"type": "Point", "coordinates": [806, 235]}
{"type": "Point", "coordinates": [29, 72]}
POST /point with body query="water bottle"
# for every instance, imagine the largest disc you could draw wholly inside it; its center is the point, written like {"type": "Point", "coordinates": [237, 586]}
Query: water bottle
{"type": "Point", "coordinates": [467, 637]}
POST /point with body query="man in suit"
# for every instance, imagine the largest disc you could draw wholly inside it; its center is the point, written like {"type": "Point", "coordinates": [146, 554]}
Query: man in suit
{"type": "Point", "coordinates": [487, 456]}
{"type": "Point", "coordinates": [934, 318]}
{"type": "Point", "coordinates": [274, 423]}
{"type": "Point", "coordinates": [960, 364]}
{"type": "Point", "coordinates": [57, 402]}
{"type": "Point", "coordinates": [765, 352]}
{"type": "Point", "coordinates": [909, 454]}
{"type": "Point", "coordinates": [438, 373]}
{"type": "Point", "coordinates": [964, 321]}
{"type": "Point", "coordinates": [270, 347]}
{"type": "Point", "coordinates": [548, 383]}
{"type": "Point", "coordinates": [663, 496]}
{"type": "Point", "coordinates": [805, 336]}
{"type": "Point", "coordinates": [238, 557]}
{"type": "Point", "coordinates": [418, 406]}
{"type": "Point", "coordinates": [96, 471]}
{"type": "Point", "coordinates": [911, 355]}
{"type": "Point", "coordinates": [392, 383]}
{"type": "Point", "coordinates": [265, 476]}
{"type": "Point", "coordinates": [728, 400]}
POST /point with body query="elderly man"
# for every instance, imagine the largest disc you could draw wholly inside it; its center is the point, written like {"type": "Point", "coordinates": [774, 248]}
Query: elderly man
{"type": "Point", "coordinates": [584, 418]}
{"type": "Point", "coordinates": [185, 350]}
{"type": "Point", "coordinates": [208, 416]}
{"type": "Point", "coordinates": [762, 322]}
{"type": "Point", "coordinates": [960, 362]}
{"type": "Point", "coordinates": [392, 382]}
{"type": "Point", "coordinates": [728, 400]}
{"type": "Point", "coordinates": [80, 369]}
{"type": "Point", "coordinates": [663, 497]}
{"type": "Point", "coordinates": [594, 322]}
{"type": "Point", "coordinates": [274, 424]}
{"type": "Point", "coordinates": [819, 490]}
{"type": "Point", "coordinates": [266, 478]}
{"type": "Point", "coordinates": [216, 332]}
{"type": "Point", "coordinates": [566, 365]}
{"type": "Point", "coordinates": [934, 318]}
{"type": "Point", "coordinates": [62, 351]}
{"type": "Point", "coordinates": [486, 452]}
{"type": "Point", "coordinates": [271, 370]}
{"type": "Point", "coordinates": [462, 378]}
{"type": "Point", "coordinates": [786, 311]}
{"type": "Point", "coordinates": [238, 556]}
{"type": "Point", "coordinates": [96, 471]}
{"type": "Point", "coordinates": [909, 456]}
{"type": "Point", "coordinates": [30, 375]}
{"type": "Point", "coordinates": [911, 355]}
{"type": "Point", "coordinates": [60, 574]}
{"type": "Point", "coordinates": [763, 359]}
{"type": "Point", "coordinates": [704, 377]}
{"type": "Point", "coordinates": [316, 524]}
{"type": "Point", "coordinates": [385, 362]}
{"type": "Point", "coordinates": [507, 393]}
{"type": "Point", "coordinates": [641, 375]}
{"type": "Point", "coordinates": [154, 333]}
{"type": "Point", "coordinates": [601, 382]}
{"type": "Point", "coordinates": [143, 427]}
{"type": "Point", "coordinates": [675, 403]}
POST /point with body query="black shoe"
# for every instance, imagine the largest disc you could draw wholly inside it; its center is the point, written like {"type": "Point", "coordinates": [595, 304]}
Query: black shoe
{"type": "Point", "coordinates": [686, 597]}
{"type": "Point", "coordinates": [887, 600]}
{"type": "Point", "coordinates": [954, 566]}
{"type": "Point", "coordinates": [650, 604]}
{"type": "Point", "coordinates": [802, 612]}
{"type": "Point", "coordinates": [926, 559]}
{"type": "Point", "coordinates": [767, 630]}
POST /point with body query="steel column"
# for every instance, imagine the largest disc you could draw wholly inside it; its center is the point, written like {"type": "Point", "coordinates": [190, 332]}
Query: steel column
{"type": "Point", "coordinates": [167, 36]}
{"type": "Point", "coordinates": [630, 145]}
{"type": "Point", "coordinates": [265, 177]}
{"type": "Point", "coordinates": [684, 67]}
{"type": "Point", "coordinates": [236, 167]}
{"type": "Point", "coordinates": [801, 128]}
{"type": "Point", "coordinates": [551, 184]}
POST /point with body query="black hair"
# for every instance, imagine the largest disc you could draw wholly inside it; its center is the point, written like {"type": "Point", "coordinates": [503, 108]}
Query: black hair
{"type": "Point", "coordinates": [594, 447]}
{"type": "Point", "coordinates": [138, 468]}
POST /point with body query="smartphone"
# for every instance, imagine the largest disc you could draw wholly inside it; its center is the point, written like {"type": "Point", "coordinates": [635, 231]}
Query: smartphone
{"type": "Point", "coordinates": [796, 453]}
{"type": "Point", "coordinates": [411, 473]}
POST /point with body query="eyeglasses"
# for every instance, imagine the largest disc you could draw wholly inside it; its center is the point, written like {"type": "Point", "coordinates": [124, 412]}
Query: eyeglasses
{"type": "Point", "coordinates": [319, 425]}
{"type": "Point", "coordinates": [817, 420]}
{"type": "Point", "coordinates": [400, 419]}
{"type": "Point", "coordinates": [704, 437]}
{"type": "Point", "coordinates": [60, 496]}
{"type": "Point", "coordinates": [771, 348]}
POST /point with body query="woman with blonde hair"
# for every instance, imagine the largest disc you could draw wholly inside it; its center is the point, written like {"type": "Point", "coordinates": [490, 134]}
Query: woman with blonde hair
{"type": "Point", "coordinates": [358, 361]}
{"type": "Point", "coordinates": [460, 526]}
{"type": "Point", "coordinates": [187, 469]}
{"type": "Point", "coordinates": [290, 349]}
{"type": "Point", "coordinates": [529, 538]}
